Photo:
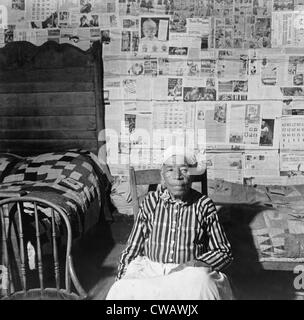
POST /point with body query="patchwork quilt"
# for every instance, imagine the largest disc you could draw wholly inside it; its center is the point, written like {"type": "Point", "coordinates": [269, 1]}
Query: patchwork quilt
{"type": "Point", "coordinates": [72, 180]}
{"type": "Point", "coordinates": [279, 235]}
{"type": "Point", "coordinates": [262, 222]}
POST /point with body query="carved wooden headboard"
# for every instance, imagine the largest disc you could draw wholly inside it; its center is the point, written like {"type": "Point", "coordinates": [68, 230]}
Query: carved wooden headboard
{"type": "Point", "coordinates": [51, 98]}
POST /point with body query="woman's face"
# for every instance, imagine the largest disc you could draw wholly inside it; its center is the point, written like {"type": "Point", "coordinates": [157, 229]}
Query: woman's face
{"type": "Point", "coordinates": [176, 176]}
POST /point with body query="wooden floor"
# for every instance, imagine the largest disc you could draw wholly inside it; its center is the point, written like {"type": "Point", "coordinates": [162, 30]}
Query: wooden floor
{"type": "Point", "coordinates": [97, 255]}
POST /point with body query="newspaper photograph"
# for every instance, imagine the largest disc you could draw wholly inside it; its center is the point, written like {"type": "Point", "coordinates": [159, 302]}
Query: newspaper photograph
{"type": "Point", "coordinates": [267, 132]}
{"type": "Point", "coordinates": [154, 34]}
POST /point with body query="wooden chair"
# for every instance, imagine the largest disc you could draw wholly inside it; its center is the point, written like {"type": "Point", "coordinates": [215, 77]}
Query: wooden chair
{"type": "Point", "coordinates": [19, 280]}
{"type": "Point", "coordinates": [152, 178]}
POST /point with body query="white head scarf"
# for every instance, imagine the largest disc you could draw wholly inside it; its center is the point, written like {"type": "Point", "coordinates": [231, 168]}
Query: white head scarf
{"type": "Point", "coordinates": [195, 159]}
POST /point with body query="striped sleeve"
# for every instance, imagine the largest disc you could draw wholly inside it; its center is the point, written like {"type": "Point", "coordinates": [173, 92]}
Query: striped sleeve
{"type": "Point", "coordinates": [218, 254]}
{"type": "Point", "coordinates": [135, 243]}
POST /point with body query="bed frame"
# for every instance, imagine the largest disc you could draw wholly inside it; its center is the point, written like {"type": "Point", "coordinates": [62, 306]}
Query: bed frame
{"type": "Point", "coordinates": [51, 98]}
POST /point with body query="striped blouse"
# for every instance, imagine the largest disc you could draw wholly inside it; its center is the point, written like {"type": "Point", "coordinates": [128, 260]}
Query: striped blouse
{"type": "Point", "coordinates": [170, 231]}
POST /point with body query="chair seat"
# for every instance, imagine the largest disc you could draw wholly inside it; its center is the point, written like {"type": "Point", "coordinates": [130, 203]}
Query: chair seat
{"type": "Point", "coordinates": [48, 294]}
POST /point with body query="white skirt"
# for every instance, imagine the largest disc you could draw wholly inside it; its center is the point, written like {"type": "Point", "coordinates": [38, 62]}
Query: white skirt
{"type": "Point", "coordinates": [148, 280]}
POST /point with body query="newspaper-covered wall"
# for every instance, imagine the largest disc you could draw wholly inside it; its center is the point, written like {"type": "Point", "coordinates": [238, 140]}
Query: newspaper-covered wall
{"type": "Point", "coordinates": [224, 77]}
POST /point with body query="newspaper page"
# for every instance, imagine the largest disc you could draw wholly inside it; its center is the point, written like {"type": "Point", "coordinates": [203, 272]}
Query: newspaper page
{"type": "Point", "coordinates": [295, 74]}
{"type": "Point", "coordinates": [208, 67]}
{"type": "Point", "coordinates": [113, 89]}
{"type": "Point", "coordinates": [269, 72]}
{"type": "Point", "coordinates": [292, 107]}
{"type": "Point", "coordinates": [232, 71]}
{"type": "Point", "coordinates": [113, 47]}
{"type": "Point", "coordinates": [282, 29]}
{"type": "Point", "coordinates": [141, 140]}
{"type": "Point", "coordinates": [292, 164]}
{"type": "Point", "coordinates": [215, 117]}
{"type": "Point", "coordinates": [184, 46]}
{"type": "Point", "coordinates": [199, 27]}
{"type": "Point", "coordinates": [237, 123]}
{"type": "Point", "coordinates": [223, 33]}
{"type": "Point", "coordinates": [287, 28]}
{"type": "Point", "coordinates": [172, 67]}
{"type": "Point", "coordinates": [226, 166]}
{"type": "Point", "coordinates": [139, 88]}
{"type": "Point", "coordinates": [261, 163]}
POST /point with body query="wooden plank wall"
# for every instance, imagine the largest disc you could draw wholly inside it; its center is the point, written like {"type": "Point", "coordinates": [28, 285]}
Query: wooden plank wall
{"type": "Point", "coordinates": [50, 98]}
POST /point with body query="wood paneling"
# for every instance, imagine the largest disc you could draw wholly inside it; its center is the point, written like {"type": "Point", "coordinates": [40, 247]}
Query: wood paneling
{"type": "Point", "coordinates": [50, 98]}
{"type": "Point", "coordinates": [46, 144]}
{"type": "Point", "coordinates": [43, 111]}
{"type": "Point", "coordinates": [49, 123]}
{"type": "Point", "coordinates": [48, 134]}
{"type": "Point", "coordinates": [48, 75]}
{"type": "Point", "coordinates": [31, 87]}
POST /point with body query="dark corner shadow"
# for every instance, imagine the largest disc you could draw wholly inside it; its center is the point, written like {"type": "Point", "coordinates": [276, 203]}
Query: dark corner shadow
{"type": "Point", "coordinates": [248, 278]}
{"type": "Point", "coordinates": [92, 249]}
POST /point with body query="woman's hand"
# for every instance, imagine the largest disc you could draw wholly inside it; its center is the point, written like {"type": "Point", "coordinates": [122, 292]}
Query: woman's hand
{"type": "Point", "coordinates": [191, 263]}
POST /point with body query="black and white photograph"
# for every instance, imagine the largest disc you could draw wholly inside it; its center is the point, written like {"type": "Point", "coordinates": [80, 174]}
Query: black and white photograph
{"type": "Point", "coordinates": [267, 132]}
{"type": "Point", "coordinates": [175, 87]}
{"type": "Point", "coordinates": [178, 51]}
{"type": "Point", "coordinates": [152, 155]}
{"type": "Point", "coordinates": [193, 93]}
{"type": "Point", "coordinates": [18, 4]}
{"type": "Point", "coordinates": [154, 29]}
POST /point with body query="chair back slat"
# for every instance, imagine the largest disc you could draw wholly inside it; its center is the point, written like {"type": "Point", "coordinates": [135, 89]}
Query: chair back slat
{"type": "Point", "coordinates": [21, 245]}
{"type": "Point", "coordinates": [25, 232]}
{"type": "Point", "coordinates": [55, 251]}
{"type": "Point", "coordinates": [40, 264]}
{"type": "Point", "coordinates": [5, 269]}
{"type": "Point", "coordinates": [153, 177]}
{"type": "Point", "coordinates": [145, 177]}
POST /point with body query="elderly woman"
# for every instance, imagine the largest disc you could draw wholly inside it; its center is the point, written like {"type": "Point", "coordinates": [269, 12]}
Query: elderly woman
{"type": "Point", "coordinates": [177, 247]}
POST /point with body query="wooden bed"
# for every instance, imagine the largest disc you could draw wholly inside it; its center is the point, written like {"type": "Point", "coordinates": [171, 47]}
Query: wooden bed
{"type": "Point", "coordinates": [51, 132]}
{"type": "Point", "coordinates": [51, 100]}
